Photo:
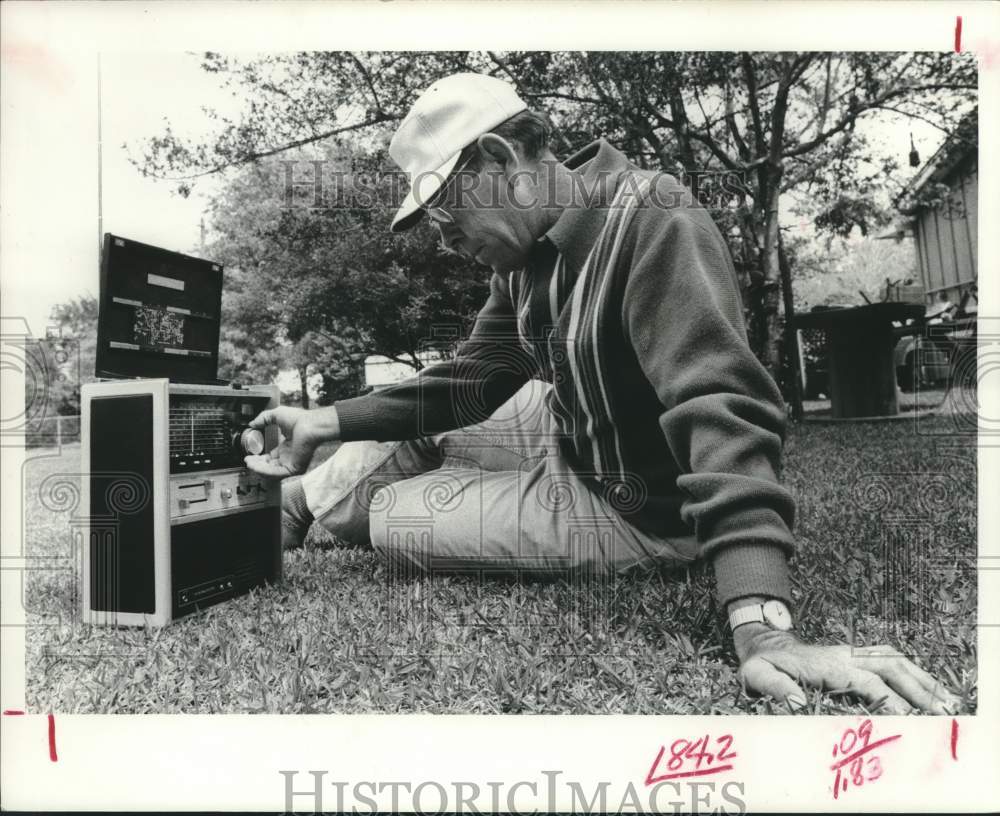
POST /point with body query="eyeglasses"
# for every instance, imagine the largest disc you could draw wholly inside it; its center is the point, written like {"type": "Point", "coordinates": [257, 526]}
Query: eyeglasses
{"type": "Point", "coordinates": [438, 214]}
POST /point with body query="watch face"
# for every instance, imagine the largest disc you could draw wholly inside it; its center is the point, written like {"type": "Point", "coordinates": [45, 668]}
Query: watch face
{"type": "Point", "coordinates": [777, 615]}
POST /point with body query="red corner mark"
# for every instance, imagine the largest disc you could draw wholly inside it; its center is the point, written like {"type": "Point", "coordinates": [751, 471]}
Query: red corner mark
{"type": "Point", "coordinates": [954, 739]}
{"type": "Point", "coordinates": [52, 738]}
{"type": "Point", "coordinates": [958, 33]}
{"type": "Point", "coordinates": [10, 712]}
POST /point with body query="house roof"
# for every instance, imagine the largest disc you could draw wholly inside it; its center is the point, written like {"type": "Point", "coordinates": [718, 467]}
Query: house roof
{"type": "Point", "coordinates": [897, 230]}
{"type": "Point", "coordinates": [952, 152]}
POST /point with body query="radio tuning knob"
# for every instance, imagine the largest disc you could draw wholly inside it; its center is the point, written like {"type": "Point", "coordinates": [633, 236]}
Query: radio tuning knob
{"type": "Point", "coordinates": [252, 441]}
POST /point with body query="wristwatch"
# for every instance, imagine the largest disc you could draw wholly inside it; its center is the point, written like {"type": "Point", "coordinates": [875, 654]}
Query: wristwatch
{"type": "Point", "coordinates": [773, 613]}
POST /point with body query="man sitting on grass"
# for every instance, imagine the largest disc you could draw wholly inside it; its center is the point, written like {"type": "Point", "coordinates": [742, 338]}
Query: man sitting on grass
{"type": "Point", "coordinates": [606, 412]}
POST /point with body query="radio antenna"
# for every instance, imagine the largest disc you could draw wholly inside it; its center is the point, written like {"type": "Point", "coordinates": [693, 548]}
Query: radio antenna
{"type": "Point", "coordinates": [100, 168]}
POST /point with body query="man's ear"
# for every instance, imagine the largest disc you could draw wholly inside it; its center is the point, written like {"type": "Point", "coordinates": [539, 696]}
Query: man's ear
{"type": "Point", "coordinates": [497, 149]}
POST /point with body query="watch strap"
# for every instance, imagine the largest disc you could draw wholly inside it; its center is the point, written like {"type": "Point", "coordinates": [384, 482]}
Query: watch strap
{"type": "Point", "coordinates": [751, 613]}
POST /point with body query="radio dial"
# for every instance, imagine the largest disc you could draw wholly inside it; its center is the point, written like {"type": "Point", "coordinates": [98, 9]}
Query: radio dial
{"type": "Point", "coordinates": [252, 441]}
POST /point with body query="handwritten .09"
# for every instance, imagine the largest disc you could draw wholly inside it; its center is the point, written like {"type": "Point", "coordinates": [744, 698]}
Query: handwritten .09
{"type": "Point", "coordinates": [857, 763]}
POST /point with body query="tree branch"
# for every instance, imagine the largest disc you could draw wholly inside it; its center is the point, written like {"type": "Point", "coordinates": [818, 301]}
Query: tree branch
{"type": "Point", "coordinates": [583, 100]}
{"type": "Point", "coordinates": [716, 151]}
{"type": "Point", "coordinates": [799, 66]}
{"type": "Point", "coordinates": [912, 115]}
{"type": "Point", "coordinates": [750, 74]}
{"type": "Point", "coordinates": [854, 113]}
{"type": "Point", "coordinates": [734, 131]}
{"type": "Point", "coordinates": [368, 80]}
{"type": "Point", "coordinates": [661, 120]}
{"type": "Point", "coordinates": [261, 154]}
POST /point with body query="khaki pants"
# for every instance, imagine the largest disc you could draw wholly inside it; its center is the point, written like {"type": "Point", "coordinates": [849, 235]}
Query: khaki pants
{"type": "Point", "coordinates": [494, 497]}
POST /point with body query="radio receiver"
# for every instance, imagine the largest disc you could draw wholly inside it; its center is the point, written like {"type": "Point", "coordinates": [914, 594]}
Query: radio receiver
{"type": "Point", "coordinates": [175, 522]}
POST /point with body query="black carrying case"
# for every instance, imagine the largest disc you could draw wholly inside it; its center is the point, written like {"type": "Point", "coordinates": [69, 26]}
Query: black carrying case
{"type": "Point", "coordinates": [160, 314]}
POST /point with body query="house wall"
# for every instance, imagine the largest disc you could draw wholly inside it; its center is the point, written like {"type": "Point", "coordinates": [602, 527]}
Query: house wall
{"type": "Point", "coordinates": [946, 238]}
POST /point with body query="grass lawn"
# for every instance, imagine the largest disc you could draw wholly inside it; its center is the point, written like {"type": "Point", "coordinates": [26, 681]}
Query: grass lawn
{"type": "Point", "coordinates": [339, 636]}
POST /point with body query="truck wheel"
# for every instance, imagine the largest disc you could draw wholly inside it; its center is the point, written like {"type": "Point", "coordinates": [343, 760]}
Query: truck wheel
{"type": "Point", "coordinates": [906, 374]}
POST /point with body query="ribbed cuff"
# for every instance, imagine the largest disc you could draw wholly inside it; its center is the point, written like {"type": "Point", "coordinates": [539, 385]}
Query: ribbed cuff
{"type": "Point", "coordinates": [760, 524]}
{"type": "Point", "coordinates": [752, 569]}
{"type": "Point", "coordinates": [293, 502]}
{"type": "Point", "coordinates": [358, 417]}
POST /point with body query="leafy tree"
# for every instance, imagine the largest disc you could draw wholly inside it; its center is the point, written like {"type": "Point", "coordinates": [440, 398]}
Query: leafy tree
{"type": "Point", "coordinates": [335, 359]}
{"type": "Point", "coordinates": [779, 121]}
{"type": "Point", "coordinates": [250, 344]}
{"type": "Point", "coordinates": [70, 352]}
{"type": "Point", "coordinates": [315, 279]}
{"type": "Point", "coordinates": [54, 367]}
{"type": "Point", "coordinates": [839, 271]}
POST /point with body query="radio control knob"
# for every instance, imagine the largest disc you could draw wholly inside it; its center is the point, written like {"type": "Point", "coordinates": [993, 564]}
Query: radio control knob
{"type": "Point", "coordinates": [252, 441]}
{"type": "Point", "coordinates": [226, 493]}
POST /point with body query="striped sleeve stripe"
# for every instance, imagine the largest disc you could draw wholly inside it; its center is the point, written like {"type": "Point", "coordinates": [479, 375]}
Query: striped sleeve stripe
{"type": "Point", "coordinates": [583, 299]}
{"type": "Point", "coordinates": [523, 323]}
{"type": "Point", "coordinates": [607, 266]}
{"type": "Point", "coordinates": [554, 290]}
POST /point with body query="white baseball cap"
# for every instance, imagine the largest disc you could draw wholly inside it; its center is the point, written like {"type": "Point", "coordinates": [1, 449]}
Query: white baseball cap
{"type": "Point", "coordinates": [451, 114]}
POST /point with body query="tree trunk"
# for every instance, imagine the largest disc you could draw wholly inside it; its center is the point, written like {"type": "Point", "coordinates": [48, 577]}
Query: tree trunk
{"type": "Point", "coordinates": [771, 273]}
{"type": "Point", "coordinates": [794, 364]}
{"type": "Point", "coordinates": [772, 179]}
{"type": "Point", "coordinates": [304, 383]}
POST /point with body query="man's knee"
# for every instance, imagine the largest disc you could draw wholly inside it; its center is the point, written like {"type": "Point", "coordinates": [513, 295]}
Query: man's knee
{"type": "Point", "coordinates": [408, 517]}
{"type": "Point", "coordinates": [342, 487]}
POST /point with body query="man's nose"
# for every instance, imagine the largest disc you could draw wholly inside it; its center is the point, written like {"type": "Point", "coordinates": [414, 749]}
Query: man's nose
{"type": "Point", "coordinates": [450, 237]}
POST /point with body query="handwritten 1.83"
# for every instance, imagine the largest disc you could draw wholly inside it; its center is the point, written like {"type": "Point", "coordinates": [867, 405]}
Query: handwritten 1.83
{"type": "Point", "coordinates": [855, 761]}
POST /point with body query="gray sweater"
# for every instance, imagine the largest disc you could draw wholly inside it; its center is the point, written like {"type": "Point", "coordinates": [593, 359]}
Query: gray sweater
{"type": "Point", "coordinates": [630, 307]}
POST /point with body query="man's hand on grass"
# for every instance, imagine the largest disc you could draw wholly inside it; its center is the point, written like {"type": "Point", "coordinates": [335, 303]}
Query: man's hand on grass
{"type": "Point", "coordinates": [779, 664]}
{"type": "Point", "coordinates": [303, 432]}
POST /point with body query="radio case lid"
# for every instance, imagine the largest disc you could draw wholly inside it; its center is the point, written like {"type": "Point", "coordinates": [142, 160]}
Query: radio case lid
{"type": "Point", "coordinates": [159, 313]}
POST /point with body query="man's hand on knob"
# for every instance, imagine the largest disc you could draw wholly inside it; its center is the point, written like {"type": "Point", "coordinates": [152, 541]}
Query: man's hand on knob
{"type": "Point", "coordinates": [303, 432]}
